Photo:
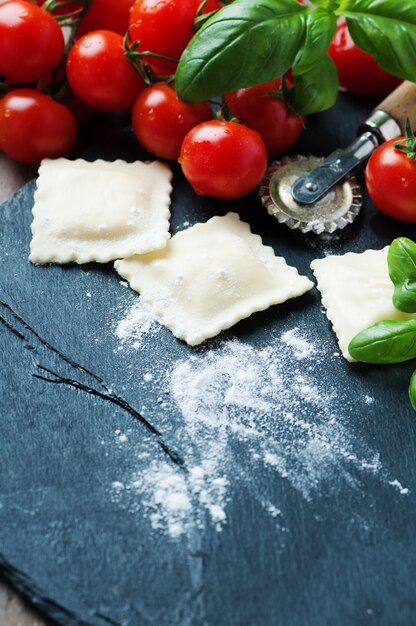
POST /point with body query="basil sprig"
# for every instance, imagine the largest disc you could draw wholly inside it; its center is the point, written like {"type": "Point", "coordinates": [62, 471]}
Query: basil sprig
{"type": "Point", "coordinates": [391, 341]}
{"type": "Point", "coordinates": [247, 43]}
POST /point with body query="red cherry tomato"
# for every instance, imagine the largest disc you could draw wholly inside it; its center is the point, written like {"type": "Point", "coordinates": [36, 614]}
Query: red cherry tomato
{"type": "Point", "coordinates": [391, 182]}
{"type": "Point", "coordinates": [165, 27]}
{"type": "Point", "coordinates": [33, 126]}
{"type": "Point", "coordinates": [223, 159]}
{"type": "Point", "coordinates": [161, 120]}
{"type": "Point", "coordinates": [270, 116]}
{"type": "Point", "coordinates": [31, 41]}
{"type": "Point", "coordinates": [100, 74]}
{"type": "Point", "coordinates": [358, 71]}
{"type": "Point", "coordinates": [107, 15]}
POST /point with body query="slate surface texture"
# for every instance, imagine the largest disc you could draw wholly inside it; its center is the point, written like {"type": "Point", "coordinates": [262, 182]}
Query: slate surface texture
{"type": "Point", "coordinates": [314, 528]}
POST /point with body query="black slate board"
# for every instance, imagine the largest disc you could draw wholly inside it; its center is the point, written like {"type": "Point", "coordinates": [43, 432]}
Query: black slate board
{"type": "Point", "coordinates": [343, 556]}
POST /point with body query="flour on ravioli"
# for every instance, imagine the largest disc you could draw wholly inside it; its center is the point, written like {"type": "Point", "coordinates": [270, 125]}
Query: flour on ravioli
{"type": "Point", "coordinates": [356, 291]}
{"type": "Point", "coordinates": [210, 276]}
{"type": "Point", "coordinates": [99, 211]}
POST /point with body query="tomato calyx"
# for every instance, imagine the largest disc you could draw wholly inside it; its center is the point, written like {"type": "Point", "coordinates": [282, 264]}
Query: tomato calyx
{"type": "Point", "coordinates": [71, 18]}
{"type": "Point", "coordinates": [407, 145]}
{"type": "Point", "coordinates": [58, 84]}
{"type": "Point", "coordinates": [138, 60]}
{"type": "Point", "coordinates": [224, 114]}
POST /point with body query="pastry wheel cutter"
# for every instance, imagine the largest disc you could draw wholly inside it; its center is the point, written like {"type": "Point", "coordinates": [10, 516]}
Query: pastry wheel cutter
{"type": "Point", "coordinates": [321, 195]}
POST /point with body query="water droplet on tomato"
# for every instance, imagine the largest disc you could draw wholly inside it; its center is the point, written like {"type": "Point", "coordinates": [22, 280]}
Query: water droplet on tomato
{"type": "Point", "coordinates": [7, 113]}
{"type": "Point", "coordinates": [180, 119]}
{"type": "Point", "coordinates": [405, 182]}
{"type": "Point", "coordinates": [151, 114]}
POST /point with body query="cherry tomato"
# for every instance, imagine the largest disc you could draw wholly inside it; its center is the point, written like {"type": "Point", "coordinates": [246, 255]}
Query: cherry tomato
{"type": "Point", "coordinates": [31, 41]}
{"type": "Point", "coordinates": [270, 116]}
{"type": "Point", "coordinates": [161, 120]}
{"type": "Point", "coordinates": [223, 159]}
{"type": "Point", "coordinates": [33, 126]}
{"type": "Point", "coordinates": [100, 74]}
{"type": "Point", "coordinates": [107, 15]}
{"type": "Point", "coordinates": [391, 182]}
{"type": "Point", "coordinates": [165, 27]}
{"type": "Point", "coordinates": [358, 72]}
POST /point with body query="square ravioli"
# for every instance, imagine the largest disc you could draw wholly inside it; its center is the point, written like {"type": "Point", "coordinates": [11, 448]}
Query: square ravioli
{"type": "Point", "coordinates": [99, 211]}
{"type": "Point", "coordinates": [356, 291]}
{"type": "Point", "coordinates": [210, 276]}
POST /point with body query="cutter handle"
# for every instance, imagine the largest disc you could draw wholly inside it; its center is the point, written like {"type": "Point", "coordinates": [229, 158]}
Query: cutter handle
{"type": "Point", "coordinates": [401, 104]}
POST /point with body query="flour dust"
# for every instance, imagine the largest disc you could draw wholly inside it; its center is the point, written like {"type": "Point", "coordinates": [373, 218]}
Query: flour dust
{"type": "Point", "coordinates": [247, 411]}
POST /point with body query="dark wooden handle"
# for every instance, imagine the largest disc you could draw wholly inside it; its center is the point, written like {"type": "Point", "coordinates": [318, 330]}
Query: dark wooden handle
{"type": "Point", "coordinates": [401, 104]}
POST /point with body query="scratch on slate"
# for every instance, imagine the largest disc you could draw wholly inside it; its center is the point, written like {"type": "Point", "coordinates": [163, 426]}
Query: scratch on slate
{"type": "Point", "coordinates": [103, 393]}
{"type": "Point", "coordinates": [120, 402]}
{"type": "Point", "coordinates": [108, 620]}
{"type": "Point", "coordinates": [45, 343]}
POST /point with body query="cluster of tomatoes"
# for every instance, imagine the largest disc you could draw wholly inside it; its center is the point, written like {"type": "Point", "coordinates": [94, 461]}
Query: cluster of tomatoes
{"type": "Point", "coordinates": [123, 55]}
{"type": "Point", "coordinates": [62, 61]}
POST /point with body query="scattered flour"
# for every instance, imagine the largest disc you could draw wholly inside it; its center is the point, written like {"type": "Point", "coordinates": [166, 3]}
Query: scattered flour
{"type": "Point", "coordinates": [302, 348]}
{"type": "Point", "coordinates": [404, 491]}
{"type": "Point", "coordinates": [136, 325]}
{"type": "Point", "coordinates": [178, 500]}
{"type": "Point", "coordinates": [243, 412]}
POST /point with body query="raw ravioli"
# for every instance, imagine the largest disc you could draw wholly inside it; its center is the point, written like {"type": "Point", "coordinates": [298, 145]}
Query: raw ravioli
{"type": "Point", "coordinates": [356, 291]}
{"type": "Point", "coordinates": [99, 211]}
{"type": "Point", "coordinates": [210, 276]}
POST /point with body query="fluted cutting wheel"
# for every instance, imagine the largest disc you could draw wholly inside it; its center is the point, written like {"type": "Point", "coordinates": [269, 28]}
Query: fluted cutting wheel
{"type": "Point", "coordinates": [338, 208]}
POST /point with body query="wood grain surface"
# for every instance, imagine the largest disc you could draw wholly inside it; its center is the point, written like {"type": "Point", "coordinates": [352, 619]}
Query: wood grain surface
{"type": "Point", "coordinates": [14, 611]}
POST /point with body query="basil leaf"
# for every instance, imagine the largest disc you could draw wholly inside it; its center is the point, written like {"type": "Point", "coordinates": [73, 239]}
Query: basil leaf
{"type": "Point", "coordinates": [244, 44]}
{"type": "Point", "coordinates": [317, 89]}
{"type": "Point", "coordinates": [385, 342]}
{"type": "Point", "coordinates": [331, 5]}
{"type": "Point", "coordinates": [401, 260]}
{"type": "Point", "coordinates": [320, 29]}
{"type": "Point", "coordinates": [412, 390]}
{"type": "Point", "coordinates": [386, 29]}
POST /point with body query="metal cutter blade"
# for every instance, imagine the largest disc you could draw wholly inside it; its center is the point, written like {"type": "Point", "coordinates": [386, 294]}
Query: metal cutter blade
{"type": "Point", "coordinates": [337, 208]}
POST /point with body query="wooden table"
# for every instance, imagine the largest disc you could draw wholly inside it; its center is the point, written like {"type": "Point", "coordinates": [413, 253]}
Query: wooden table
{"type": "Point", "coordinates": [13, 610]}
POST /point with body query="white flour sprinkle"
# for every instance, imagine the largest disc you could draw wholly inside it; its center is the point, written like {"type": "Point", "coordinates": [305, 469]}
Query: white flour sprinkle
{"type": "Point", "coordinates": [177, 499]}
{"type": "Point", "coordinates": [302, 348]}
{"type": "Point", "coordinates": [138, 322]}
{"type": "Point", "coordinates": [246, 412]}
{"type": "Point", "coordinates": [402, 490]}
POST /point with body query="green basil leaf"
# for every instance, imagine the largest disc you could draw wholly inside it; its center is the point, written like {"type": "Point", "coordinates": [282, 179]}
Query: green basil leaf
{"type": "Point", "coordinates": [385, 342]}
{"type": "Point", "coordinates": [317, 89]}
{"type": "Point", "coordinates": [320, 29]}
{"type": "Point", "coordinates": [386, 29]}
{"type": "Point", "coordinates": [412, 390]}
{"type": "Point", "coordinates": [245, 43]}
{"type": "Point", "coordinates": [331, 5]}
{"type": "Point", "coordinates": [401, 260]}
